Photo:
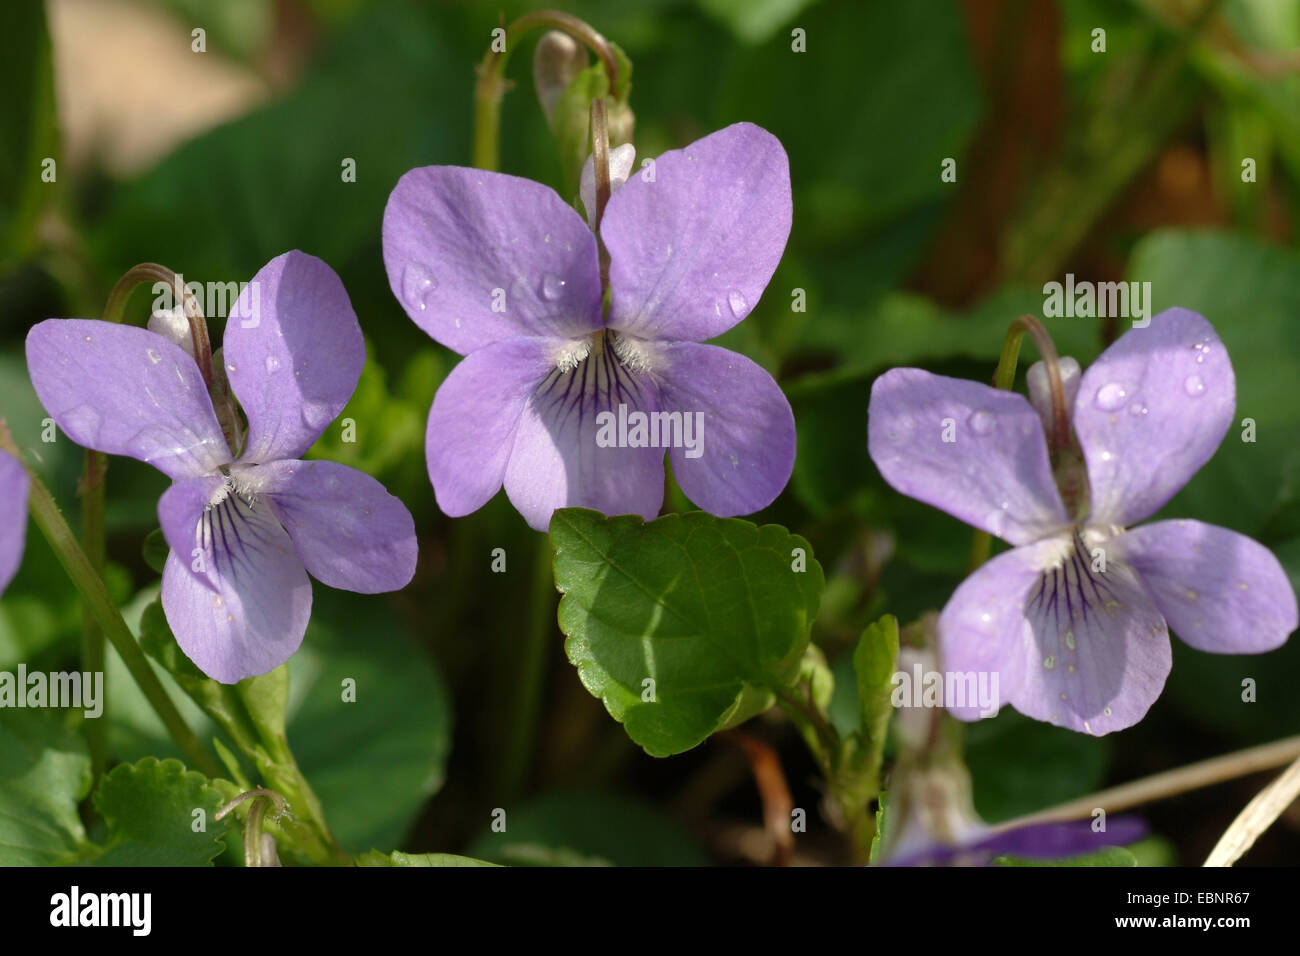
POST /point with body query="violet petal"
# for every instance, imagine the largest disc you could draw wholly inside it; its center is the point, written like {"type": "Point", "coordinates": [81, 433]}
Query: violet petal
{"type": "Point", "coordinates": [124, 390]}
{"type": "Point", "coordinates": [1219, 590]}
{"type": "Point", "coordinates": [293, 353]}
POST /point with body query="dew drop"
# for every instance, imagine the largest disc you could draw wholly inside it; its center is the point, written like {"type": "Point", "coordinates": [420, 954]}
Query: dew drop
{"type": "Point", "coordinates": [1111, 396]}
{"type": "Point", "coordinates": [1107, 712]}
{"type": "Point", "coordinates": [1137, 408]}
{"type": "Point", "coordinates": [552, 287]}
{"type": "Point", "coordinates": [417, 283]}
{"type": "Point", "coordinates": [272, 363]}
{"type": "Point", "coordinates": [738, 303]}
{"type": "Point", "coordinates": [153, 356]}
{"type": "Point", "coordinates": [1193, 385]}
{"type": "Point", "coordinates": [982, 422]}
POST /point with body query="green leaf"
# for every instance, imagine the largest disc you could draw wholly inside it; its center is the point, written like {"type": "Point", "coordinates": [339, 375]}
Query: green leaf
{"type": "Point", "coordinates": [151, 808]}
{"type": "Point", "coordinates": [44, 774]}
{"type": "Point", "coordinates": [1107, 856]}
{"type": "Point", "coordinates": [398, 858]}
{"type": "Point", "coordinates": [372, 762]}
{"type": "Point", "coordinates": [155, 550]}
{"type": "Point", "coordinates": [1020, 765]}
{"type": "Point", "coordinates": [874, 662]}
{"type": "Point", "coordinates": [582, 828]}
{"type": "Point", "coordinates": [684, 625]}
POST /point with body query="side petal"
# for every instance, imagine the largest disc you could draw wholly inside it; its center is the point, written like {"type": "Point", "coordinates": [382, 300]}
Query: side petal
{"type": "Point", "coordinates": [737, 436]}
{"type": "Point", "coordinates": [1096, 649]}
{"type": "Point", "coordinates": [251, 615]}
{"type": "Point", "coordinates": [981, 629]}
{"type": "Point", "coordinates": [124, 390]}
{"type": "Point", "coordinates": [1150, 412]}
{"type": "Point", "coordinates": [971, 450]}
{"type": "Point", "coordinates": [293, 353]}
{"type": "Point", "coordinates": [692, 249]}
{"type": "Point", "coordinates": [1219, 590]}
{"type": "Point", "coordinates": [474, 417]}
{"type": "Point", "coordinates": [348, 531]}
{"type": "Point", "coordinates": [475, 257]}
{"type": "Point", "coordinates": [567, 450]}
{"type": "Point", "coordinates": [181, 517]}
{"type": "Point", "coordinates": [14, 485]}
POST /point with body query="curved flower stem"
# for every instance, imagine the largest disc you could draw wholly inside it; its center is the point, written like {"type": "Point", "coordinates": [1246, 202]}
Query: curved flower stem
{"type": "Point", "coordinates": [1170, 783]}
{"type": "Point", "coordinates": [491, 85]}
{"type": "Point", "coordinates": [1005, 378]}
{"type": "Point", "coordinates": [152, 272]}
{"type": "Point", "coordinates": [78, 567]}
{"type": "Point", "coordinates": [1258, 816]}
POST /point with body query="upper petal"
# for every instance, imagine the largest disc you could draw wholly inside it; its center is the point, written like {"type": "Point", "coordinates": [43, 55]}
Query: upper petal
{"type": "Point", "coordinates": [293, 353]}
{"type": "Point", "coordinates": [1219, 590]}
{"type": "Point", "coordinates": [1151, 411]}
{"type": "Point", "coordinates": [736, 429]}
{"type": "Point", "coordinates": [14, 485]}
{"type": "Point", "coordinates": [124, 390]}
{"type": "Point", "coordinates": [976, 452]}
{"type": "Point", "coordinates": [250, 615]}
{"type": "Point", "coordinates": [475, 415]}
{"type": "Point", "coordinates": [694, 240]}
{"type": "Point", "coordinates": [348, 531]}
{"type": "Point", "coordinates": [474, 257]}
{"type": "Point", "coordinates": [560, 458]}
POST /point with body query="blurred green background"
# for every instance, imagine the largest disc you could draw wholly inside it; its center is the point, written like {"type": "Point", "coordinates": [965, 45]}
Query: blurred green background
{"type": "Point", "coordinates": [1122, 164]}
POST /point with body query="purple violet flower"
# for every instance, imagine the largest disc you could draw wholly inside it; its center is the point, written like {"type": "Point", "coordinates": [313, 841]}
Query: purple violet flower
{"type": "Point", "coordinates": [244, 529]}
{"type": "Point", "coordinates": [565, 407]}
{"type": "Point", "coordinates": [14, 486]}
{"type": "Point", "coordinates": [1075, 618]}
{"type": "Point", "coordinates": [975, 843]}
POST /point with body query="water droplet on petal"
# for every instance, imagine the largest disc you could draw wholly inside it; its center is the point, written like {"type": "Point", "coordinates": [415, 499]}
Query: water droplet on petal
{"type": "Point", "coordinates": [1137, 408]}
{"type": "Point", "coordinates": [1111, 396]}
{"type": "Point", "coordinates": [738, 303]}
{"type": "Point", "coordinates": [272, 363]}
{"type": "Point", "coordinates": [982, 422]}
{"type": "Point", "coordinates": [417, 284]}
{"type": "Point", "coordinates": [153, 356]}
{"type": "Point", "coordinates": [1193, 385]}
{"type": "Point", "coordinates": [552, 287]}
{"type": "Point", "coordinates": [996, 521]}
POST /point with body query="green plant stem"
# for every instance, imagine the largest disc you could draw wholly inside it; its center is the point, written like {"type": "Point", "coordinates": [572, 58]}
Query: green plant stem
{"type": "Point", "coordinates": [491, 85]}
{"type": "Point", "coordinates": [92, 635]}
{"type": "Point", "coordinates": [526, 696]}
{"type": "Point", "coordinates": [91, 586]}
